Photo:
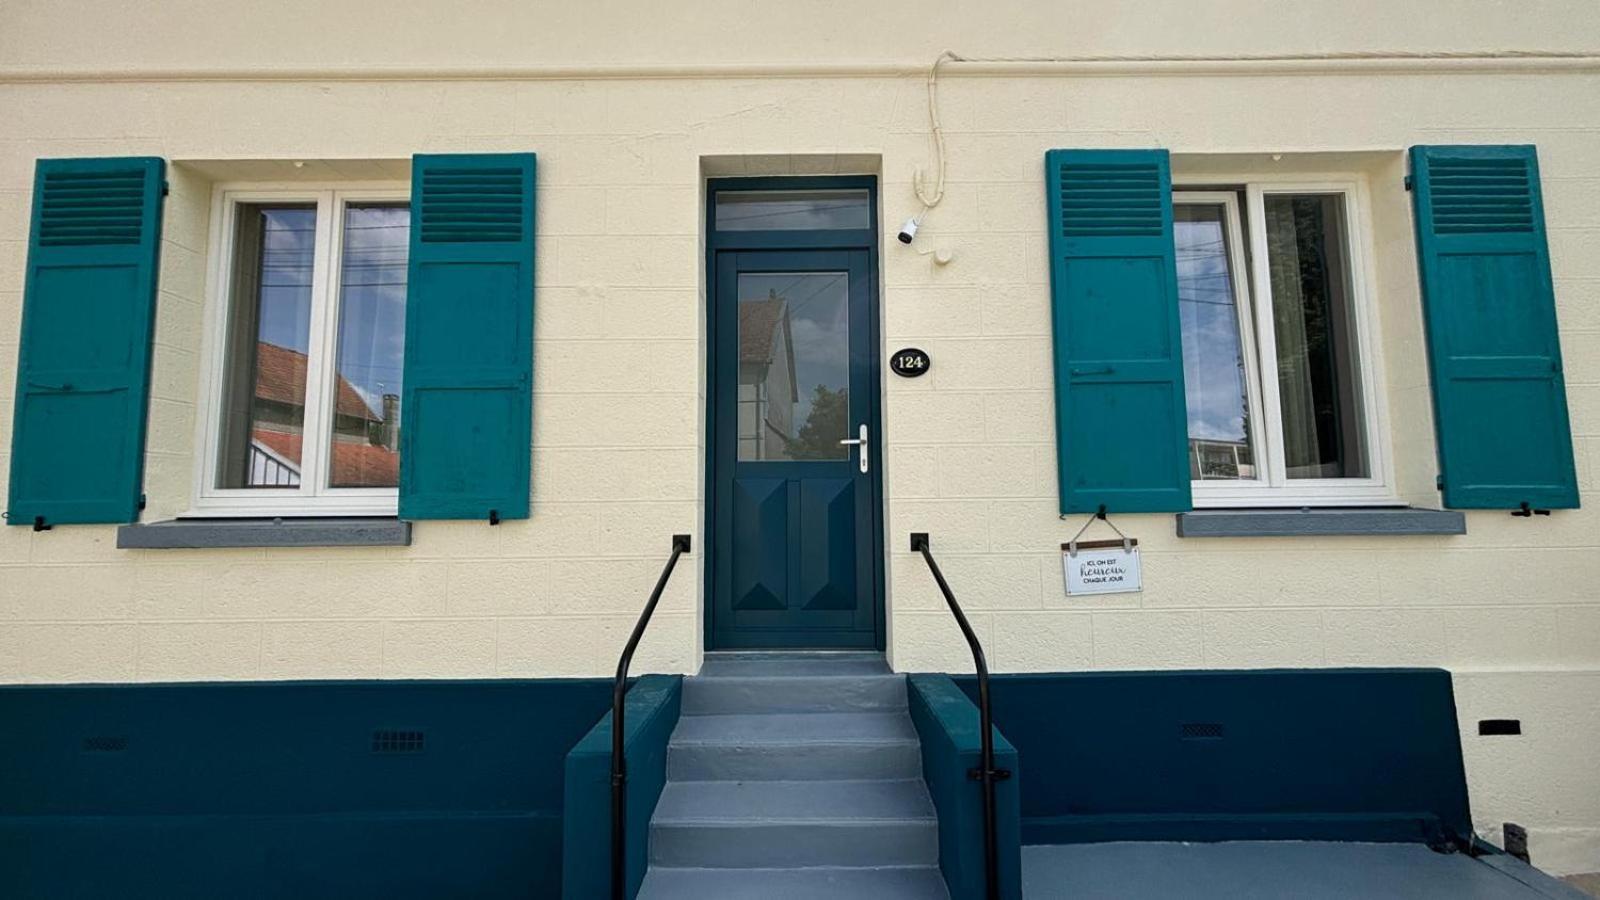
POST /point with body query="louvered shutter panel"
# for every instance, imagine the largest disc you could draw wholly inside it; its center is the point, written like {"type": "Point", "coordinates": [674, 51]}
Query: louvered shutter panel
{"type": "Point", "coordinates": [77, 443]}
{"type": "Point", "coordinates": [1121, 425]}
{"type": "Point", "coordinates": [1499, 398]}
{"type": "Point", "coordinates": [464, 446]}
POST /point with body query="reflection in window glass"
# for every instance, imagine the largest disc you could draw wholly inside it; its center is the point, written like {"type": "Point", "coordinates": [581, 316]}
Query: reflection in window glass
{"type": "Point", "coordinates": [372, 326]}
{"type": "Point", "coordinates": [792, 210]}
{"type": "Point", "coordinates": [1213, 357]}
{"type": "Point", "coordinates": [794, 365]}
{"type": "Point", "coordinates": [269, 324]}
{"type": "Point", "coordinates": [1311, 317]}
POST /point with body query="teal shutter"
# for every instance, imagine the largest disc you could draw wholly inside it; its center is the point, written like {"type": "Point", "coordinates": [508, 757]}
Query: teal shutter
{"type": "Point", "coordinates": [1499, 398]}
{"type": "Point", "coordinates": [1121, 426]}
{"type": "Point", "coordinates": [83, 374]}
{"type": "Point", "coordinates": [465, 435]}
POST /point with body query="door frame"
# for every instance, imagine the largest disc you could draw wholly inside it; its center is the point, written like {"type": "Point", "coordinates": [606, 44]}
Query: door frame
{"type": "Point", "coordinates": [838, 239]}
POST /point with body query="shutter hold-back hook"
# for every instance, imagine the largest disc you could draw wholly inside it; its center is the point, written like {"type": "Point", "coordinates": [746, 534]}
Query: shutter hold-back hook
{"type": "Point", "coordinates": [1525, 512]}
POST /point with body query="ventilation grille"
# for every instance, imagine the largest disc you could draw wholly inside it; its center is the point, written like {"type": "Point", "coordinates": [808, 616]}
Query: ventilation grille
{"type": "Point", "coordinates": [91, 208]}
{"type": "Point", "coordinates": [391, 741]}
{"type": "Point", "coordinates": [477, 206]}
{"type": "Point", "coordinates": [1103, 200]}
{"type": "Point", "coordinates": [1499, 726]}
{"type": "Point", "coordinates": [1480, 196]}
{"type": "Point", "coordinates": [1200, 731]}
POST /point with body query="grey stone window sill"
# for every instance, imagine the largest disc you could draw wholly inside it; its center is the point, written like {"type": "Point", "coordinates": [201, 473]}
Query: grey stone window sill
{"type": "Point", "coordinates": [1341, 521]}
{"type": "Point", "coordinates": [192, 534]}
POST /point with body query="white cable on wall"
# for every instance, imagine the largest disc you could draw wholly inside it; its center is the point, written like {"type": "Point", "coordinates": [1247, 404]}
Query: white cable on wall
{"type": "Point", "coordinates": [929, 201]}
{"type": "Point", "coordinates": [931, 198]}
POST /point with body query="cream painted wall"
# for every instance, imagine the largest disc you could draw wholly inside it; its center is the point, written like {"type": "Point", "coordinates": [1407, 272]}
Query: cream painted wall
{"type": "Point", "coordinates": [1513, 607]}
{"type": "Point", "coordinates": [178, 34]}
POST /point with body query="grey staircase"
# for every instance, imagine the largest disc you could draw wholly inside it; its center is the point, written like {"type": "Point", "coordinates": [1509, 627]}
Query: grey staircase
{"type": "Point", "coordinates": [794, 776]}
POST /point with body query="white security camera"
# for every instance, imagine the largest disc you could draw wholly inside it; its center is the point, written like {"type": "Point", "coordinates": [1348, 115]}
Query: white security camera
{"type": "Point", "coordinates": [908, 230]}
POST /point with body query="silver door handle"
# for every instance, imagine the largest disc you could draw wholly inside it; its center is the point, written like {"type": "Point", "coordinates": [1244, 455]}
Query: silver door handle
{"type": "Point", "coordinates": [860, 443]}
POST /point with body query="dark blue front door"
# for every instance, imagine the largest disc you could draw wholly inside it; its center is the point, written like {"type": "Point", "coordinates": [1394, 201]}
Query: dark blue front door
{"type": "Point", "coordinates": [796, 554]}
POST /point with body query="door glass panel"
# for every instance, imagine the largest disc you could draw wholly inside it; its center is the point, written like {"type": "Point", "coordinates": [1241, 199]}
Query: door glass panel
{"type": "Point", "coordinates": [1311, 317]}
{"type": "Point", "coordinates": [794, 366]}
{"type": "Point", "coordinates": [269, 325]}
{"type": "Point", "coordinates": [1213, 355]}
{"type": "Point", "coordinates": [792, 210]}
{"type": "Point", "coordinates": [372, 330]}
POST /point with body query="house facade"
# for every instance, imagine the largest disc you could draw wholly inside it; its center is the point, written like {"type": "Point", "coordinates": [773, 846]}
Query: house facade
{"type": "Point", "coordinates": [348, 347]}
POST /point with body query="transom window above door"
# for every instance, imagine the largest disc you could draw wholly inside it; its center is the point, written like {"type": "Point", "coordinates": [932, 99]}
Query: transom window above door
{"type": "Point", "coordinates": [792, 210]}
{"type": "Point", "coordinates": [1278, 351]}
{"type": "Point", "coordinates": [302, 411]}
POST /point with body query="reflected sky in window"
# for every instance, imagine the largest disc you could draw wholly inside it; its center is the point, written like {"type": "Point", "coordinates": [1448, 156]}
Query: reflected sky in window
{"type": "Point", "coordinates": [1213, 361]}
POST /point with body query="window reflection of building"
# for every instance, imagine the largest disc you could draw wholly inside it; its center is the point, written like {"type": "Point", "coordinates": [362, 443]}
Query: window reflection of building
{"type": "Point", "coordinates": [1211, 459]}
{"type": "Point", "coordinates": [768, 394]}
{"type": "Point", "coordinates": [367, 439]}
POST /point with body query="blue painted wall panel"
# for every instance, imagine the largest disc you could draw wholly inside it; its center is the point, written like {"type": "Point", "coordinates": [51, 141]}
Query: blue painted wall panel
{"type": "Point", "coordinates": [653, 705]}
{"type": "Point", "coordinates": [948, 725]}
{"type": "Point", "coordinates": [1332, 754]}
{"type": "Point", "coordinates": [276, 789]}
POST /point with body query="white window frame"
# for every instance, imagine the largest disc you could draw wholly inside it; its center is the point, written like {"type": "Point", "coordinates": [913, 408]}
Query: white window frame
{"type": "Point", "coordinates": [313, 497]}
{"type": "Point", "coordinates": [1272, 487]}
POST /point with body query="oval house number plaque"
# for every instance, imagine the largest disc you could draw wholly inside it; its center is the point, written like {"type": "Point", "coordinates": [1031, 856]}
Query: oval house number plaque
{"type": "Point", "coordinates": [909, 363]}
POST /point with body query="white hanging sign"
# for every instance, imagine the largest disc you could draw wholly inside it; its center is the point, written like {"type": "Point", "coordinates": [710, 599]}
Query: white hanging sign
{"type": "Point", "coordinates": [1102, 567]}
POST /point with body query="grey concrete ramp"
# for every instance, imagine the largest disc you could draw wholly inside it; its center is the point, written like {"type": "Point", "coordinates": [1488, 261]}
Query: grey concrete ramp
{"type": "Point", "coordinates": [1275, 870]}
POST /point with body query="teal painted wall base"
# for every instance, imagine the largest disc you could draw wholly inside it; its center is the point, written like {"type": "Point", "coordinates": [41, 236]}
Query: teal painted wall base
{"type": "Point", "coordinates": [489, 789]}
{"type": "Point", "coordinates": [1286, 754]}
{"type": "Point", "coordinates": [650, 716]}
{"type": "Point", "coordinates": [948, 727]}
{"type": "Point", "coordinates": [393, 789]}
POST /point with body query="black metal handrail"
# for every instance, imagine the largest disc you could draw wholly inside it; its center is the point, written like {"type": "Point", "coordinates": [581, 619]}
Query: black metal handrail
{"type": "Point", "coordinates": [986, 772]}
{"type": "Point", "coordinates": [619, 760]}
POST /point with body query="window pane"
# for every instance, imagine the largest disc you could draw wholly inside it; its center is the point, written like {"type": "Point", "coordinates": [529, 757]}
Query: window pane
{"type": "Point", "coordinates": [372, 329]}
{"type": "Point", "coordinates": [269, 323]}
{"type": "Point", "coordinates": [792, 210]}
{"type": "Point", "coordinates": [1311, 318]}
{"type": "Point", "coordinates": [794, 365]}
{"type": "Point", "coordinates": [1213, 355]}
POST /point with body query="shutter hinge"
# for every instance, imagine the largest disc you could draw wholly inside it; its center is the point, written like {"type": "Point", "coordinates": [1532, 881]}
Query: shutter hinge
{"type": "Point", "coordinates": [166, 188]}
{"type": "Point", "coordinates": [39, 524]}
{"type": "Point", "coordinates": [1438, 482]}
{"type": "Point", "coordinates": [143, 500]}
{"type": "Point", "coordinates": [494, 517]}
{"type": "Point", "coordinates": [1410, 182]}
{"type": "Point", "coordinates": [1524, 511]}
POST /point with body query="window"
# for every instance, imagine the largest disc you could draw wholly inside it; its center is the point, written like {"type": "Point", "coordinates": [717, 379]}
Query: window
{"type": "Point", "coordinates": [306, 360]}
{"type": "Point", "coordinates": [787, 210]}
{"type": "Point", "coordinates": [1277, 337]}
{"type": "Point", "coordinates": [794, 366]}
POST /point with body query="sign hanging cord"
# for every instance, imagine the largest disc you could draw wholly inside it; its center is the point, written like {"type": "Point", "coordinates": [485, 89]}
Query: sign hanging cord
{"type": "Point", "coordinates": [1072, 545]}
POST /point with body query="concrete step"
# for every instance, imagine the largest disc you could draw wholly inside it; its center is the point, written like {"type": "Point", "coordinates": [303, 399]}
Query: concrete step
{"type": "Point", "coordinates": [794, 747]}
{"type": "Point", "coordinates": [805, 662]}
{"type": "Point", "coordinates": [691, 802]}
{"type": "Point", "coordinates": [773, 824]}
{"type": "Point", "coordinates": [817, 883]}
{"type": "Point", "coordinates": [733, 694]}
